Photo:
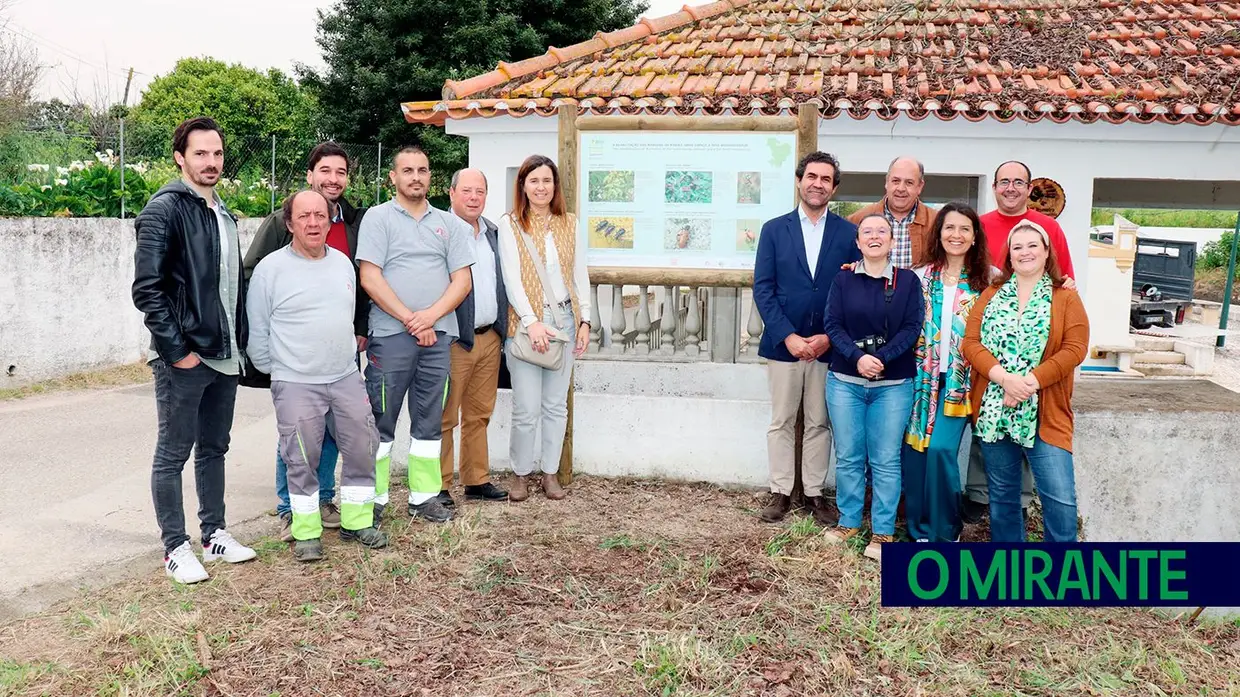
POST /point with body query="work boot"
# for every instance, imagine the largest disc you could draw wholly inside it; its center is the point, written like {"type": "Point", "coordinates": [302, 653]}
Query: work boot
{"type": "Point", "coordinates": [824, 512]}
{"type": "Point", "coordinates": [308, 550]}
{"type": "Point", "coordinates": [519, 490]}
{"type": "Point", "coordinates": [379, 508]}
{"type": "Point", "coordinates": [840, 534]}
{"type": "Point", "coordinates": [551, 487]}
{"type": "Point", "coordinates": [973, 512]}
{"type": "Point", "coordinates": [330, 514]}
{"type": "Point", "coordinates": [369, 537]}
{"type": "Point", "coordinates": [485, 492]}
{"type": "Point", "coordinates": [431, 511]}
{"type": "Point", "coordinates": [286, 531]}
{"type": "Point", "coordinates": [874, 550]}
{"type": "Point", "coordinates": [777, 508]}
{"type": "Point", "coordinates": [445, 498]}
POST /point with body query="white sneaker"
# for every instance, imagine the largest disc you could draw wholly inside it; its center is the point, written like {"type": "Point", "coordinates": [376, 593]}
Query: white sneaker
{"type": "Point", "coordinates": [183, 566]}
{"type": "Point", "coordinates": [224, 546]}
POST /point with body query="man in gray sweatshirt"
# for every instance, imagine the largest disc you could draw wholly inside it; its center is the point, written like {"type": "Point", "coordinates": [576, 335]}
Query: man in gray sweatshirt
{"type": "Point", "coordinates": [300, 305]}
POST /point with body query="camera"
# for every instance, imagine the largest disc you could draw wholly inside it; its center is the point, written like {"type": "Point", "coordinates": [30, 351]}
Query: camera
{"type": "Point", "coordinates": [871, 344]}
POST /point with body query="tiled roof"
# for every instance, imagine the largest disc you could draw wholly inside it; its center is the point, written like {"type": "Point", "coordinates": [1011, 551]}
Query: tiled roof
{"type": "Point", "coordinates": [1114, 60]}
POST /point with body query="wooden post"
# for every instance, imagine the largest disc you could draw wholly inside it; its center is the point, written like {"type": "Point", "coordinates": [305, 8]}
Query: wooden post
{"type": "Point", "coordinates": [807, 142]}
{"type": "Point", "coordinates": [567, 163]}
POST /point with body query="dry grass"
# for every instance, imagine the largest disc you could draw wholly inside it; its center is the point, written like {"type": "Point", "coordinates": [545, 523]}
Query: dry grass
{"type": "Point", "coordinates": [626, 588]}
{"type": "Point", "coordinates": [1210, 284]}
{"type": "Point", "coordinates": [119, 376]}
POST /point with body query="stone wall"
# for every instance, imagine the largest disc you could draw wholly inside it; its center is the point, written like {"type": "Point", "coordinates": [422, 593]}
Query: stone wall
{"type": "Point", "coordinates": [65, 302]}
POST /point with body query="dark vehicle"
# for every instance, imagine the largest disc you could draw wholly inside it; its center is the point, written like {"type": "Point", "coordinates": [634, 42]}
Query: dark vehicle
{"type": "Point", "coordinates": [1162, 282]}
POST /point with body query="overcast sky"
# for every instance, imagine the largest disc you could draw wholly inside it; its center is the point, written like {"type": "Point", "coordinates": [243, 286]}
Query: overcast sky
{"type": "Point", "coordinates": [89, 45]}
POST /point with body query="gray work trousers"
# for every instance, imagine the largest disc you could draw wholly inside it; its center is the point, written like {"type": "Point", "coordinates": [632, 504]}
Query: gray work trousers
{"type": "Point", "coordinates": [301, 420]}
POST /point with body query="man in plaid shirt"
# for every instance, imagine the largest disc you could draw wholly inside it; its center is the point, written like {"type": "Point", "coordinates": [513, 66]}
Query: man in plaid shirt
{"type": "Point", "coordinates": [902, 207]}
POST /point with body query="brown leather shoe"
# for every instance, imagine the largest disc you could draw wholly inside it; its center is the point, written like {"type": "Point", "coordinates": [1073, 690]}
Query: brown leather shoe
{"type": "Point", "coordinates": [519, 490]}
{"type": "Point", "coordinates": [551, 487]}
{"type": "Point", "coordinates": [825, 514]}
{"type": "Point", "coordinates": [777, 508]}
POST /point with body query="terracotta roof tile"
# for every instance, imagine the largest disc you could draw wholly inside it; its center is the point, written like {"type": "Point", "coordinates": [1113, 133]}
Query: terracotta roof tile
{"type": "Point", "coordinates": [1118, 60]}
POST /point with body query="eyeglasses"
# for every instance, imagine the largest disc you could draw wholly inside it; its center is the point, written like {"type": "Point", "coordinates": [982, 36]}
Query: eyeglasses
{"type": "Point", "coordinates": [1014, 183]}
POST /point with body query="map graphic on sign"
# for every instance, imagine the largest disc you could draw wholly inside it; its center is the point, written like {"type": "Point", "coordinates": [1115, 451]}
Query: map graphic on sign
{"type": "Point", "coordinates": [681, 199]}
{"type": "Point", "coordinates": [780, 150]}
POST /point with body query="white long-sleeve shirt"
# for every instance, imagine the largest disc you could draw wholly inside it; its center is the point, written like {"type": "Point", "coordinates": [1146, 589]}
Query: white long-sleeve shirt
{"type": "Point", "coordinates": [510, 264]}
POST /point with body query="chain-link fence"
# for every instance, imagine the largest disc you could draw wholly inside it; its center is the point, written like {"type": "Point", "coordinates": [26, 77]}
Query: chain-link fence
{"type": "Point", "coordinates": [113, 172]}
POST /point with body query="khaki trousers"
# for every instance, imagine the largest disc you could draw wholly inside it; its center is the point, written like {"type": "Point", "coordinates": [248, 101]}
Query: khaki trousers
{"type": "Point", "coordinates": [793, 385]}
{"type": "Point", "coordinates": [472, 387]}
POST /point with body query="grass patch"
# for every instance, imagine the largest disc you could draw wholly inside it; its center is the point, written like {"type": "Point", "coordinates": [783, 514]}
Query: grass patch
{"type": "Point", "coordinates": [624, 588]}
{"type": "Point", "coordinates": [119, 376]}
{"type": "Point", "coordinates": [1158, 217]}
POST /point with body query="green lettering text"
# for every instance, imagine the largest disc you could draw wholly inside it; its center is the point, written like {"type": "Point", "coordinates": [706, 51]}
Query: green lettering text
{"type": "Point", "coordinates": [970, 578]}
{"type": "Point", "coordinates": [1072, 576]}
{"type": "Point", "coordinates": [1166, 575]}
{"type": "Point", "coordinates": [1037, 576]}
{"type": "Point", "coordinates": [915, 586]}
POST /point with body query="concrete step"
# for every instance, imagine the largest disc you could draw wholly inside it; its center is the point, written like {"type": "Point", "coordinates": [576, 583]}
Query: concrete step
{"type": "Point", "coordinates": [1153, 343]}
{"type": "Point", "coordinates": [1160, 357]}
{"type": "Point", "coordinates": [1152, 370]}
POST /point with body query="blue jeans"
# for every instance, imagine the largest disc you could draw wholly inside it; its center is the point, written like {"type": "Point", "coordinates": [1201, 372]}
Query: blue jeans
{"type": "Point", "coordinates": [327, 474]}
{"type": "Point", "coordinates": [869, 424]}
{"type": "Point", "coordinates": [1053, 478]}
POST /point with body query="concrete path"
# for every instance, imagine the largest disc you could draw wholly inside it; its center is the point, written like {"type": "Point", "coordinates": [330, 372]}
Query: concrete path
{"type": "Point", "coordinates": [75, 471]}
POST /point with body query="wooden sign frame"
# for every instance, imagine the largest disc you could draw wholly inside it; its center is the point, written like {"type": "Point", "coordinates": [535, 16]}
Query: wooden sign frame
{"type": "Point", "coordinates": [804, 124]}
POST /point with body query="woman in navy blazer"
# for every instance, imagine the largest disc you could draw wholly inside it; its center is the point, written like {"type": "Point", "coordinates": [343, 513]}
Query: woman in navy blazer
{"type": "Point", "coordinates": [873, 318]}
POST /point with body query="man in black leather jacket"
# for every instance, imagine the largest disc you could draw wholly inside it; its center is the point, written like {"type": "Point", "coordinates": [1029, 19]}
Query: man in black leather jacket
{"type": "Point", "coordinates": [189, 284]}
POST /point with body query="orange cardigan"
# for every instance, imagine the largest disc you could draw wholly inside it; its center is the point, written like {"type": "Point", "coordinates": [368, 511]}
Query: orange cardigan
{"type": "Point", "coordinates": [1066, 349]}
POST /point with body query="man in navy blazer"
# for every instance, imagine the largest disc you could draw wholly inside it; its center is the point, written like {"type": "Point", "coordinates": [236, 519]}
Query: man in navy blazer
{"type": "Point", "coordinates": [798, 257]}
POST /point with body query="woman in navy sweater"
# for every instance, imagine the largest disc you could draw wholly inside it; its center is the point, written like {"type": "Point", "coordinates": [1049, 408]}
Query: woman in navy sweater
{"type": "Point", "coordinates": [873, 318]}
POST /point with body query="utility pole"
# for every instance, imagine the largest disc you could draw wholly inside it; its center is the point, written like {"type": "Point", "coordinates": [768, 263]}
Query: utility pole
{"type": "Point", "coordinates": [1231, 277]}
{"type": "Point", "coordinates": [128, 82]}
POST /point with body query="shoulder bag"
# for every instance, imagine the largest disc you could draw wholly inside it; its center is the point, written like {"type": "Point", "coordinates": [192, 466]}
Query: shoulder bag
{"type": "Point", "coordinates": [522, 346]}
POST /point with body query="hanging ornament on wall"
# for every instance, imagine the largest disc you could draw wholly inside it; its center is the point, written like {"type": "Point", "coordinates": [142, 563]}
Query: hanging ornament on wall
{"type": "Point", "coordinates": [1046, 196]}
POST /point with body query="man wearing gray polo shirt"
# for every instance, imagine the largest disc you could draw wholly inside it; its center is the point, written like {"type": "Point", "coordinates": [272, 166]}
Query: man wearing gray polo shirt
{"type": "Point", "coordinates": [414, 261]}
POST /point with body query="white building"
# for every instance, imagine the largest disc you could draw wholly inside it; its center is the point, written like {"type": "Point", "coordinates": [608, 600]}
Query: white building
{"type": "Point", "coordinates": [1122, 105]}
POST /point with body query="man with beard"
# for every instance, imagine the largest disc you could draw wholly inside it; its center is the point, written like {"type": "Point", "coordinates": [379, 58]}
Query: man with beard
{"type": "Point", "coordinates": [798, 256]}
{"type": "Point", "coordinates": [327, 172]}
{"type": "Point", "coordinates": [189, 285]}
{"type": "Point", "coordinates": [414, 261]}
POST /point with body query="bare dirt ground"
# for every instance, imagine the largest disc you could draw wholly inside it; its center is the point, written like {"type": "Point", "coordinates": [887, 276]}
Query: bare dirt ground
{"type": "Point", "coordinates": [625, 588]}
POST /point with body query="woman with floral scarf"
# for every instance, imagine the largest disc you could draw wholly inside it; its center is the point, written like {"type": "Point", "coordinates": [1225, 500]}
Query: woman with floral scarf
{"type": "Point", "coordinates": [1026, 336]}
{"type": "Point", "coordinates": [955, 273]}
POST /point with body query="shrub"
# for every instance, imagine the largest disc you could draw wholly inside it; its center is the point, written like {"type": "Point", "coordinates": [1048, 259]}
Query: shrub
{"type": "Point", "coordinates": [1215, 255]}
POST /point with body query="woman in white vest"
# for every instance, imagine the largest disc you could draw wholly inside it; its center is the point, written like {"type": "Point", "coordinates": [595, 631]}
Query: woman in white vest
{"type": "Point", "coordinates": [544, 266]}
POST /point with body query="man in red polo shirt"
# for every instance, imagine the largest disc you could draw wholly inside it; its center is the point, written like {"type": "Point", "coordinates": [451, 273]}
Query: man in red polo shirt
{"type": "Point", "coordinates": [1011, 187]}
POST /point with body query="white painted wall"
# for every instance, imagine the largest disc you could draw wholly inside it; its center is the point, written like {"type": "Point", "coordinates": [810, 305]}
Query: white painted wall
{"type": "Point", "coordinates": [1200, 235]}
{"type": "Point", "coordinates": [1108, 312]}
{"type": "Point", "coordinates": [65, 302]}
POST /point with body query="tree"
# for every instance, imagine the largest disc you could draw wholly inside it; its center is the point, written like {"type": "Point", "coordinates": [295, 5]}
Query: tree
{"type": "Point", "coordinates": [249, 105]}
{"type": "Point", "coordinates": [380, 53]}
{"type": "Point", "coordinates": [19, 74]}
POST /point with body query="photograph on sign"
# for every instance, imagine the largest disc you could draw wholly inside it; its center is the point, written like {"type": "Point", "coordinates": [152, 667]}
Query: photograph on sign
{"type": "Point", "coordinates": [690, 199]}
